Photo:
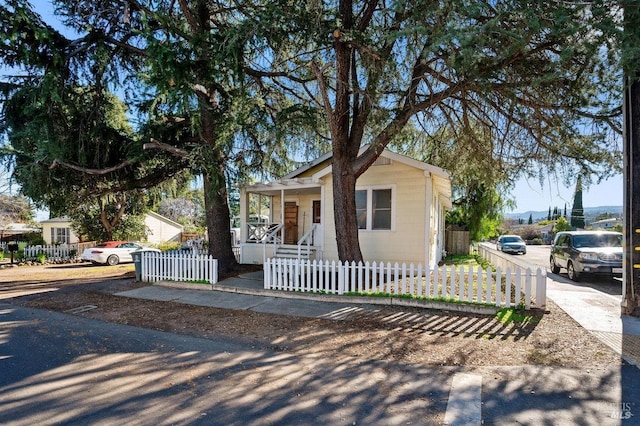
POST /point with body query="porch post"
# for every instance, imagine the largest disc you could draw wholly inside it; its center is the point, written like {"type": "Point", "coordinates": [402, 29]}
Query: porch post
{"type": "Point", "coordinates": [428, 218]}
{"type": "Point", "coordinates": [282, 231]}
{"type": "Point", "coordinates": [244, 207]}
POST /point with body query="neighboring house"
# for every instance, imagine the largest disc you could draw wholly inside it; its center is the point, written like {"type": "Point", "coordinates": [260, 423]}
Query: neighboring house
{"type": "Point", "coordinates": [606, 223]}
{"type": "Point", "coordinates": [58, 231]}
{"type": "Point", "coordinates": [161, 229]}
{"type": "Point", "coordinates": [15, 231]}
{"type": "Point", "coordinates": [546, 233]}
{"type": "Point", "coordinates": [401, 207]}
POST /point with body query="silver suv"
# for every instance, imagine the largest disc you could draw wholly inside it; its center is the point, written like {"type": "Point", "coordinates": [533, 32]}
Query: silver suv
{"type": "Point", "coordinates": [582, 252]}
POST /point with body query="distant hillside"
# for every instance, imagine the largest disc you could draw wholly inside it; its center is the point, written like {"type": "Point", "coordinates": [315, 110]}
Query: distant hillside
{"type": "Point", "coordinates": [590, 213]}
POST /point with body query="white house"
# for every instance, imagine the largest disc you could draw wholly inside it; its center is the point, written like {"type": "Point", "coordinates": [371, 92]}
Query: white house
{"type": "Point", "coordinates": [58, 231]}
{"type": "Point", "coordinates": [401, 209]}
{"type": "Point", "coordinates": [161, 229]}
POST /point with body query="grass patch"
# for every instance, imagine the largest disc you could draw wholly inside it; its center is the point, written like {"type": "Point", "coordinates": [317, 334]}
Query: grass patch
{"type": "Point", "coordinates": [516, 315]}
{"type": "Point", "coordinates": [421, 298]}
{"type": "Point", "coordinates": [190, 281]}
{"type": "Point", "coordinates": [471, 260]}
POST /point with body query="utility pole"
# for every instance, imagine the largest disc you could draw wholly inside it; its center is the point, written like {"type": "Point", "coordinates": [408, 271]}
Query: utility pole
{"type": "Point", "coordinates": [631, 117]}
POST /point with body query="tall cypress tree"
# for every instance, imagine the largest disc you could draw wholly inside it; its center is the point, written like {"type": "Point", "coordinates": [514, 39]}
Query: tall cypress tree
{"type": "Point", "coordinates": [577, 211]}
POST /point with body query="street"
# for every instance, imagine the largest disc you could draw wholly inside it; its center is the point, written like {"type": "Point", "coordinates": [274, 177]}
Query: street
{"type": "Point", "coordinates": [538, 256]}
{"type": "Point", "coordinates": [60, 368]}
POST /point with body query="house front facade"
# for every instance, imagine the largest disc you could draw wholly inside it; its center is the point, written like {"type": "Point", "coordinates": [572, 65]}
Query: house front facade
{"type": "Point", "coordinates": [58, 231]}
{"type": "Point", "coordinates": [401, 205]}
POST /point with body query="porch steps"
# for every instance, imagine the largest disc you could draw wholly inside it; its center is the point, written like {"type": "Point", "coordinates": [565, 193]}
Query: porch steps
{"type": "Point", "coordinates": [291, 252]}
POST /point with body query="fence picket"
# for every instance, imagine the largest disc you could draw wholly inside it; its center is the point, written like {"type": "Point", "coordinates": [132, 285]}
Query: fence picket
{"type": "Point", "coordinates": [398, 279]}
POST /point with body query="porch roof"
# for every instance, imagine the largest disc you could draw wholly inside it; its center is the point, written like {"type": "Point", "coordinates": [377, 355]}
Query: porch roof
{"type": "Point", "coordinates": [297, 185]}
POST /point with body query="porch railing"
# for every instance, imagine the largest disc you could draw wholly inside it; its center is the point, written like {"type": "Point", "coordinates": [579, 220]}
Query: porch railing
{"type": "Point", "coordinates": [306, 240]}
{"type": "Point", "coordinates": [272, 238]}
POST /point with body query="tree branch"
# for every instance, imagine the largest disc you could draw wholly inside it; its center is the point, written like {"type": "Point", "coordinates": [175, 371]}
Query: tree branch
{"type": "Point", "coordinates": [155, 144]}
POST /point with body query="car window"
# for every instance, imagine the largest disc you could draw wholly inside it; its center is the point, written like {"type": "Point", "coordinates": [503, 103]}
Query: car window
{"type": "Point", "coordinates": [512, 240]}
{"type": "Point", "coordinates": [596, 240]}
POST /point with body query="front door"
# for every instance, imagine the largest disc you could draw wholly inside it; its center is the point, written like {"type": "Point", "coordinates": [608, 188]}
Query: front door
{"type": "Point", "coordinates": [290, 223]}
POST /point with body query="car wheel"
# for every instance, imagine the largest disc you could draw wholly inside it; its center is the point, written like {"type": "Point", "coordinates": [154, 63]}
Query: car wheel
{"type": "Point", "coordinates": [113, 260]}
{"type": "Point", "coordinates": [571, 272]}
{"type": "Point", "coordinates": [554, 268]}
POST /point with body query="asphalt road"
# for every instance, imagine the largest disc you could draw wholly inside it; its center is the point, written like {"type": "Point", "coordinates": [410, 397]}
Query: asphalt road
{"type": "Point", "coordinates": [63, 369]}
{"type": "Point", "coordinates": [539, 256]}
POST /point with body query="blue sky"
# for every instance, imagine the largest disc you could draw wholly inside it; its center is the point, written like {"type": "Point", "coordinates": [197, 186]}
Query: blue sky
{"type": "Point", "coordinates": [530, 197]}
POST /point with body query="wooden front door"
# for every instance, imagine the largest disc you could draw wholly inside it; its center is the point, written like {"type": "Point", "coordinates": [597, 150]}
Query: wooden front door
{"type": "Point", "coordinates": [290, 223]}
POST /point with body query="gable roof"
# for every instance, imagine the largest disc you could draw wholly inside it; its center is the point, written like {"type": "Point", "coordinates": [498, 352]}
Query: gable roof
{"type": "Point", "coordinates": [164, 219]}
{"type": "Point", "coordinates": [434, 170]}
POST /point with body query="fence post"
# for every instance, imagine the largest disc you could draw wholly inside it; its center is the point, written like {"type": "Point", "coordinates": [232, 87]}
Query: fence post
{"type": "Point", "coordinates": [541, 289]}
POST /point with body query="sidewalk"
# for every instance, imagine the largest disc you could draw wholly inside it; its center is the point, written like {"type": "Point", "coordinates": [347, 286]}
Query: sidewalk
{"type": "Point", "coordinates": [596, 312]}
{"type": "Point", "coordinates": [599, 313]}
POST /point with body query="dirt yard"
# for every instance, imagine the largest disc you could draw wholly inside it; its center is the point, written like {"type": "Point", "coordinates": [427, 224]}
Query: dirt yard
{"type": "Point", "coordinates": [405, 335]}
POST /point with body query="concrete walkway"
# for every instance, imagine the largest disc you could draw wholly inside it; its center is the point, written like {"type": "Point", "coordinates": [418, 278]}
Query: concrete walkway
{"type": "Point", "coordinates": [599, 313]}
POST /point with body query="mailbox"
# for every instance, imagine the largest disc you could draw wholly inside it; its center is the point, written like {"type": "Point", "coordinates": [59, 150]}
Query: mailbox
{"type": "Point", "coordinates": [12, 247]}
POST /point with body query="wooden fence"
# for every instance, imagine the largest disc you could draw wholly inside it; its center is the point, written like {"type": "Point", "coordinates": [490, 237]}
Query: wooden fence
{"type": "Point", "coordinates": [502, 288]}
{"type": "Point", "coordinates": [457, 242]}
{"type": "Point", "coordinates": [178, 267]}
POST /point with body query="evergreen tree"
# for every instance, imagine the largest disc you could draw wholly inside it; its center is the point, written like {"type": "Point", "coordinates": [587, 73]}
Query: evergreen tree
{"type": "Point", "coordinates": [549, 215]}
{"type": "Point", "coordinates": [577, 211]}
{"type": "Point", "coordinates": [530, 219]}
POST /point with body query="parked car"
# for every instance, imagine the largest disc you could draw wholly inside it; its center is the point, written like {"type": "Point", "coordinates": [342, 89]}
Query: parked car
{"type": "Point", "coordinates": [511, 244]}
{"type": "Point", "coordinates": [587, 252]}
{"type": "Point", "coordinates": [113, 252]}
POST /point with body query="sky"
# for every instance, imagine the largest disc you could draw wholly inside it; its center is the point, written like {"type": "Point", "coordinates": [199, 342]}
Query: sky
{"type": "Point", "coordinates": [530, 196]}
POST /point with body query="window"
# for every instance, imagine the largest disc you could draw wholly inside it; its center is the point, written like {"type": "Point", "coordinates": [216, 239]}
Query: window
{"type": "Point", "coordinates": [374, 208]}
{"type": "Point", "coordinates": [317, 211]}
{"type": "Point", "coordinates": [60, 236]}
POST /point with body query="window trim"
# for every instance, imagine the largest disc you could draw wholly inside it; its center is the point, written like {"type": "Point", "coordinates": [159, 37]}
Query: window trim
{"type": "Point", "coordinates": [369, 209]}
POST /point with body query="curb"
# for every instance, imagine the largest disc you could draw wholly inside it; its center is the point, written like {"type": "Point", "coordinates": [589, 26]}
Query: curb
{"type": "Point", "coordinates": [364, 300]}
{"type": "Point", "coordinates": [183, 285]}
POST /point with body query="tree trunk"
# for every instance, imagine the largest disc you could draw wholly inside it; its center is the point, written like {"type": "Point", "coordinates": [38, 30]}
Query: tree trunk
{"type": "Point", "coordinates": [218, 223]}
{"type": "Point", "coordinates": [215, 196]}
{"type": "Point", "coordinates": [344, 209]}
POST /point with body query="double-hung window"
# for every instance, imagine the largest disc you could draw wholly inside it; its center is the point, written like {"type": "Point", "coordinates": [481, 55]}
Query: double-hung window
{"type": "Point", "coordinates": [60, 235]}
{"type": "Point", "coordinates": [374, 208]}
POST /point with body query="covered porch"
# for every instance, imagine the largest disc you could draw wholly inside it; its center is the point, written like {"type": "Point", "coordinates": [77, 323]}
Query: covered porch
{"type": "Point", "coordinates": [280, 219]}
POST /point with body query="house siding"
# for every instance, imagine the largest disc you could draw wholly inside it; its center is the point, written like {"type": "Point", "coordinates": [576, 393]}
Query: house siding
{"type": "Point", "coordinates": [161, 230]}
{"type": "Point", "coordinates": [405, 242]}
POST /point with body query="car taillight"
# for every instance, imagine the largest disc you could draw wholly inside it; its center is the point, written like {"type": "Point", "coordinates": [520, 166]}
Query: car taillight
{"type": "Point", "coordinates": [96, 251]}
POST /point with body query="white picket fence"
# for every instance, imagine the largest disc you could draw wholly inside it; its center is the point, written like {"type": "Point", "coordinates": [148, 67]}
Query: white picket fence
{"type": "Point", "coordinates": [178, 267]}
{"type": "Point", "coordinates": [51, 251]}
{"type": "Point", "coordinates": [502, 288]}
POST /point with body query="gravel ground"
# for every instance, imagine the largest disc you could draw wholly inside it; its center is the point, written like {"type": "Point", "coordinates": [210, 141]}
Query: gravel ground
{"type": "Point", "coordinates": [407, 335]}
